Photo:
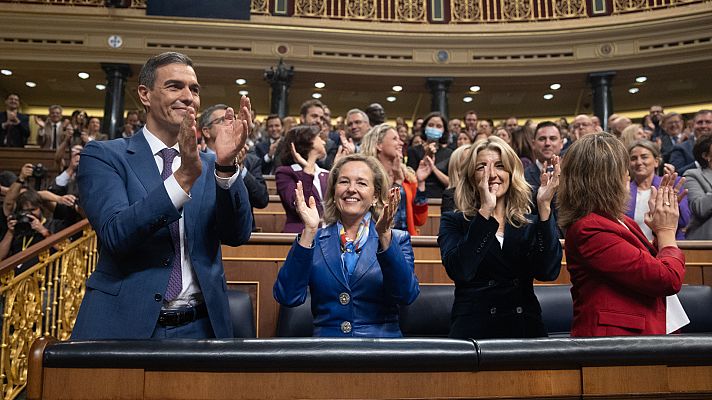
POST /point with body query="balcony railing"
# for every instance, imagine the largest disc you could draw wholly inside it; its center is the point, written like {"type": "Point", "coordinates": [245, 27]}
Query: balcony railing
{"type": "Point", "coordinates": [426, 11]}
{"type": "Point", "coordinates": [43, 300]}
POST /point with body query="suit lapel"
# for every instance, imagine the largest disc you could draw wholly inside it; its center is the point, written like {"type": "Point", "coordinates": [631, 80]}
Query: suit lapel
{"type": "Point", "coordinates": [141, 160]}
{"type": "Point", "coordinates": [331, 250]}
{"type": "Point", "coordinates": [367, 256]}
{"type": "Point", "coordinates": [706, 174]}
{"type": "Point", "coordinates": [634, 229]}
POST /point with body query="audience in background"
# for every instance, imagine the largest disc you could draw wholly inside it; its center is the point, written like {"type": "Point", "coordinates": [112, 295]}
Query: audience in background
{"type": "Point", "coordinates": [699, 187]}
{"type": "Point", "coordinates": [434, 153]}
{"type": "Point", "coordinates": [644, 160]}
{"type": "Point", "coordinates": [266, 149]}
{"type": "Point", "coordinates": [681, 154]}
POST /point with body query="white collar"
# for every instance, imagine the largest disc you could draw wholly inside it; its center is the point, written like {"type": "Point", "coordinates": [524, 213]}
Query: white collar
{"type": "Point", "coordinates": [155, 143]}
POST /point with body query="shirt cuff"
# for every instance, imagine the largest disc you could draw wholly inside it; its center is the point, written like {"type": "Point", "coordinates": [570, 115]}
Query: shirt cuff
{"type": "Point", "coordinates": [267, 158]}
{"type": "Point", "coordinates": [226, 183]}
{"type": "Point", "coordinates": [176, 193]}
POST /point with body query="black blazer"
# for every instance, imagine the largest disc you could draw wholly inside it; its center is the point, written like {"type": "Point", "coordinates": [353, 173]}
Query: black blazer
{"type": "Point", "coordinates": [494, 288]}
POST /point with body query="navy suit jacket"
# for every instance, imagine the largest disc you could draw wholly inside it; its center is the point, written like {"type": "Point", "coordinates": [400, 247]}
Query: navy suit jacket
{"type": "Point", "coordinates": [681, 156]}
{"type": "Point", "coordinates": [368, 300]}
{"type": "Point", "coordinates": [16, 135]}
{"type": "Point", "coordinates": [127, 204]}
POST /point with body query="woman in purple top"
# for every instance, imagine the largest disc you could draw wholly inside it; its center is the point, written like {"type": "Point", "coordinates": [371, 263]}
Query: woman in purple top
{"type": "Point", "coordinates": [302, 148]}
{"type": "Point", "coordinates": [644, 158]}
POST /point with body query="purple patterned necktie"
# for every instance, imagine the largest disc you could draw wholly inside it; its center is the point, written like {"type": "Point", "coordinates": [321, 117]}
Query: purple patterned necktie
{"type": "Point", "coordinates": [175, 282]}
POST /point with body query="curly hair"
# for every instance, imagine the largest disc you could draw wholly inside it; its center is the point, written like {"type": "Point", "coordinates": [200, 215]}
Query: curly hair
{"type": "Point", "coordinates": [517, 198]}
{"type": "Point", "coordinates": [380, 183]}
{"type": "Point", "coordinates": [588, 179]}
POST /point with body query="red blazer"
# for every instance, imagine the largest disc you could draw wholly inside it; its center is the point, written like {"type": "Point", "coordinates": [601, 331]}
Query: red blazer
{"type": "Point", "coordinates": [416, 215]}
{"type": "Point", "coordinates": [619, 280]}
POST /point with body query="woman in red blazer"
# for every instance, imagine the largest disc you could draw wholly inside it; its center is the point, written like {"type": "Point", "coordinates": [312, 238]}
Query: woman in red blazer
{"type": "Point", "coordinates": [383, 143]}
{"type": "Point", "coordinates": [620, 280]}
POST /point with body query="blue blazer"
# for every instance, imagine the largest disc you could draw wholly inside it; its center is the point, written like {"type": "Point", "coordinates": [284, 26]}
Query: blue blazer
{"type": "Point", "coordinates": [368, 301]}
{"type": "Point", "coordinates": [681, 155]}
{"type": "Point", "coordinates": [127, 204]}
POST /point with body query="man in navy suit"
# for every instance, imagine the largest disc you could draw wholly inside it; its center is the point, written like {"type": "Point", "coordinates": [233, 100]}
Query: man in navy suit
{"type": "Point", "coordinates": [161, 210]}
{"type": "Point", "coordinates": [14, 126]}
{"type": "Point", "coordinates": [681, 154]}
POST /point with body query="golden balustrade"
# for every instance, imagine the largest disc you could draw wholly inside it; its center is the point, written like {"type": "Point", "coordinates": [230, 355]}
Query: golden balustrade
{"type": "Point", "coordinates": [44, 299]}
{"type": "Point", "coordinates": [422, 11]}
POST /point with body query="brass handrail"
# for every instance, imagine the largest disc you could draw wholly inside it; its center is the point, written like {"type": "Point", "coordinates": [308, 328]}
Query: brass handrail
{"type": "Point", "coordinates": [44, 299]}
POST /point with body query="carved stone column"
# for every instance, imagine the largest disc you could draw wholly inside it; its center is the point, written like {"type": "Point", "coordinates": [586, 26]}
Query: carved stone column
{"type": "Point", "coordinates": [116, 76]}
{"type": "Point", "coordinates": [439, 88]}
{"type": "Point", "coordinates": [602, 97]}
{"type": "Point", "coordinates": [279, 78]}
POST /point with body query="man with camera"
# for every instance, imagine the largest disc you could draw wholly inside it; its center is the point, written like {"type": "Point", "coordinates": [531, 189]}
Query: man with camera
{"type": "Point", "coordinates": [25, 227]}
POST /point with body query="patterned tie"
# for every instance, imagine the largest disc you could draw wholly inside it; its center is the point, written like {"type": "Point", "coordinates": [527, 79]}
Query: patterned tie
{"type": "Point", "coordinates": [175, 282]}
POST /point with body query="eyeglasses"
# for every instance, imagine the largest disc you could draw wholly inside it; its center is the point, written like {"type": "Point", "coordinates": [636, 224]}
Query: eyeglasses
{"type": "Point", "coordinates": [218, 121]}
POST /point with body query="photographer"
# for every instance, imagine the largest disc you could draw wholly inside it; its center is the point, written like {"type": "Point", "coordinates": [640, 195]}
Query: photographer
{"type": "Point", "coordinates": [25, 227]}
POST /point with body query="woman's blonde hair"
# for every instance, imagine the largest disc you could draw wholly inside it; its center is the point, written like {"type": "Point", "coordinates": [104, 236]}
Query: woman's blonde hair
{"type": "Point", "coordinates": [593, 179]}
{"type": "Point", "coordinates": [518, 196]}
{"type": "Point", "coordinates": [374, 137]}
{"type": "Point", "coordinates": [628, 134]}
{"type": "Point", "coordinates": [380, 183]}
{"type": "Point", "coordinates": [454, 166]}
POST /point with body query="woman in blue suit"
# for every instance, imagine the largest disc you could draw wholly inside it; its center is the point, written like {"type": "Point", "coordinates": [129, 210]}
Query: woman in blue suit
{"type": "Point", "coordinates": [494, 248]}
{"type": "Point", "coordinates": [358, 271]}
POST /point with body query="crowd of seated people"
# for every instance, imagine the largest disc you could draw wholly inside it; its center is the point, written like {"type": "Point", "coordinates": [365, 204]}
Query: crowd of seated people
{"type": "Point", "coordinates": [497, 181]}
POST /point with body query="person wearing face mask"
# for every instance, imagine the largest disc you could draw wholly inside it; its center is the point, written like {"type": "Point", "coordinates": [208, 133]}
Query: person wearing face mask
{"type": "Point", "coordinates": [434, 154]}
{"type": "Point", "coordinates": [493, 247]}
{"type": "Point", "coordinates": [303, 146]}
{"type": "Point", "coordinates": [357, 268]}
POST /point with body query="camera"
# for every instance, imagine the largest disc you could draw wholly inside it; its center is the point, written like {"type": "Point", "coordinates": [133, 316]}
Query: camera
{"type": "Point", "coordinates": [23, 227]}
{"type": "Point", "coordinates": [39, 171]}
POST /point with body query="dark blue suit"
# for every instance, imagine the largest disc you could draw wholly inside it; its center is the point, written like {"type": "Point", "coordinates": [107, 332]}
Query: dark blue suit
{"type": "Point", "coordinates": [681, 156]}
{"type": "Point", "coordinates": [127, 204]}
{"type": "Point", "coordinates": [368, 301]}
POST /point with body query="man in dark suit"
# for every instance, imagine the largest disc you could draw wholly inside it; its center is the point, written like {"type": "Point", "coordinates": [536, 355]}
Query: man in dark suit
{"type": "Point", "coordinates": [252, 171]}
{"type": "Point", "coordinates": [161, 210]}
{"type": "Point", "coordinates": [266, 149]}
{"type": "Point", "coordinates": [547, 144]}
{"type": "Point", "coordinates": [681, 154]}
{"type": "Point", "coordinates": [14, 126]}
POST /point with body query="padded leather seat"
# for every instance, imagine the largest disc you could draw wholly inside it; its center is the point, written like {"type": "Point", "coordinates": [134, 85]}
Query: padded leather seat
{"type": "Point", "coordinates": [697, 302]}
{"type": "Point", "coordinates": [429, 314]}
{"type": "Point", "coordinates": [557, 308]}
{"type": "Point", "coordinates": [241, 315]}
{"type": "Point", "coordinates": [296, 321]}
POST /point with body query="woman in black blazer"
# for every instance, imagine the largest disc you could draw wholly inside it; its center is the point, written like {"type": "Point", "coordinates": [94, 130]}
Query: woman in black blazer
{"type": "Point", "coordinates": [493, 248]}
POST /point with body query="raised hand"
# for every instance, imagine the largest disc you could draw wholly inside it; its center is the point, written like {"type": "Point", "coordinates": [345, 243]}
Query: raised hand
{"type": "Point", "coordinates": [664, 211]}
{"type": "Point", "coordinates": [297, 157]}
{"type": "Point", "coordinates": [397, 171]}
{"type": "Point", "coordinates": [231, 134]}
{"type": "Point", "coordinates": [547, 189]}
{"type": "Point", "coordinates": [190, 165]}
{"type": "Point", "coordinates": [385, 221]}
{"type": "Point", "coordinates": [349, 147]}
{"type": "Point", "coordinates": [488, 195]}
{"type": "Point", "coordinates": [424, 170]}
{"type": "Point", "coordinates": [308, 214]}
{"type": "Point", "coordinates": [39, 121]}
{"type": "Point", "coordinates": [681, 193]}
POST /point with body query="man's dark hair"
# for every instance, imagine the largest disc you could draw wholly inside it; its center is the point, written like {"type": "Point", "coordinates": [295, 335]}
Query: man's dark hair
{"type": "Point", "coordinates": [204, 119]}
{"type": "Point", "coordinates": [132, 112]}
{"type": "Point", "coordinates": [273, 116]}
{"type": "Point", "coordinates": [470, 112]}
{"type": "Point", "coordinates": [147, 76]}
{"type": "Point", "coordinates": [28, 197]}
{"type": "Point", "coordinates": [11, 94]}
{"type": "Point", "coordinates": [309, 104]}
{"type": "Point", "coordinates": [702, 112]}
{"type": "Point", "coordinates": [701, 147]}
{"type": "Point", "coordinates": [544, 124]}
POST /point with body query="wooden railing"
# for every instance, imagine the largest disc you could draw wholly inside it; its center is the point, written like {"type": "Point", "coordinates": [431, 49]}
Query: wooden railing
{"type": "Point", "coordinates": [44, 299]}
{"type": "Point", "coordinates": [424, 11]}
